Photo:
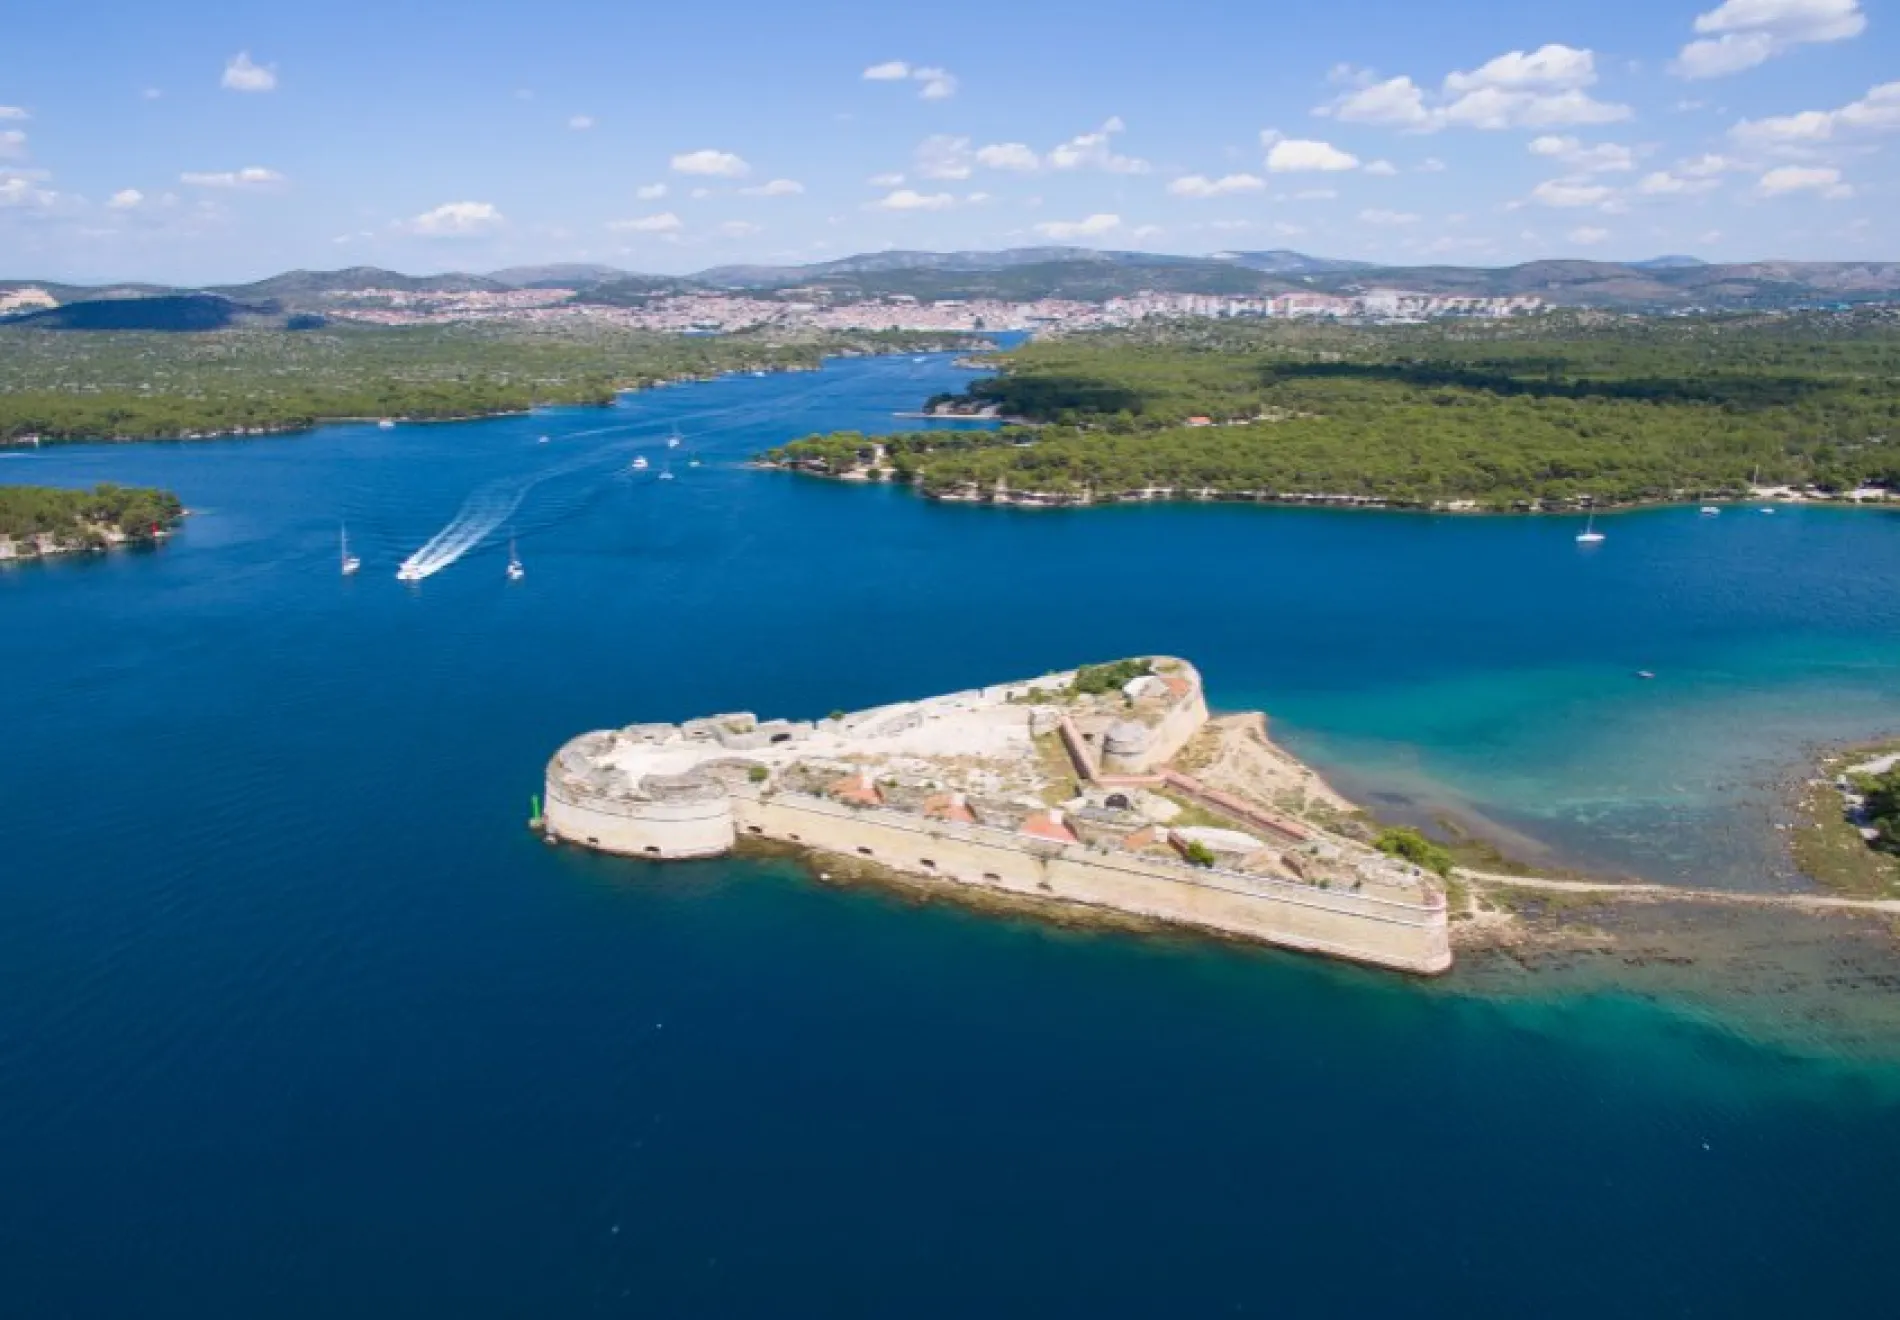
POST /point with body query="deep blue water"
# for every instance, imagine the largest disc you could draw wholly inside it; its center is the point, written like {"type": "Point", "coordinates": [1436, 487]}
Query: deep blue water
{"type": "Point", "coordinates": [296, 1019]}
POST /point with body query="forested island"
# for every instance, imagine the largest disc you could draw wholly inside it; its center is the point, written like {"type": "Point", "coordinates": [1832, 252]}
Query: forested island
{"type": "Point", "coordinates": [43, 520]}
{"type": "Point", "coordinates": [110, 385]}
{"type": "Point", "coordinates": [1571, 410]}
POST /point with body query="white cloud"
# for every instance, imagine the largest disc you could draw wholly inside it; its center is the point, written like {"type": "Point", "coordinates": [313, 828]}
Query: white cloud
{"type": "Point", "coordinates": [581, 123]}
{"type": "Point", "coordinates": [13, 112]}
{"type": "Point", "coordinates": [1662, 183]}
{"type": "Point", "coordinates": [1431, 165]}
{"type": "Point", "coordinates": [1596, 158]}
{"type": "Point", "coordinates": [1878, 111]}
{"type": "Point", "coordinates": [722, 164]}
{"type": "Point", "coordinates": [1550, 68]}
{"type": "Point", "coordinates": [125, 199]}
{"type": "Point", "coordinates": [941, 156]}
{"type": "Point", "coordinates": [1543, 88]}
{"type": "Point", "coordinates": [1786, 179]}
{"type": "Point", "coordinates": [251, 176]}
{"type": "Point", "coordinates": [776, 188]}
{"type": "Point", "coordinates": [241, 75]}
{"type": "Point", "coordinates": [1093, 226]}
{"type": "Point", "coordinates": [700, 194]}
{"type": "Point", "coordinates": [1705, 166]}
{"type": "Point", "coordinates": [457, 220]}
{"type": "Point", "coordinates": [1396, 101]}
{"type": "Point", "coordinates": [648, 192]}
{"type": "Point", "coordinates": [1588, 235]}
{"type": "Point", "coordinates": [1495, 108]}
{"type": "Point", "coordinates": [739, 229]}
{"type": "Point", "coordinates": [1199, 185]}
{"type": "Point", "coordinates": [1381, 167]}
{"type": "Point", "coordinates": [938, 84]}
{"type": "Point", "coordinates": [1315, 195]}
{"type": "Point", "coordinates": [1571, 192]}
{"type": "Point", "coordinates": [19, 191]}
{"type": "Point", "coordinates": [12, 144]}
{"type": "Point", "coordinates": [885, 180]}
{"type": "Point", "coordinates": [1092, 151]}
{"type": "Point", "coordinates": [909, 199]}
{"type": "Point", "coordinates": [663, 223]}
{"type": "Point", "coordinates": [1008, 156]}
{"type": "Point", "coordinates": [1739, 34]}
{"type": "Point", "coordinates": [1304, 155]}
{"type": "Point", "coordinates": [1376, 216]}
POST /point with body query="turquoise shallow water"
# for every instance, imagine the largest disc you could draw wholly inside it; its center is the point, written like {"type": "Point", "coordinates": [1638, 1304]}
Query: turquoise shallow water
{"type": "Point", "coordinates": [295, 1019]}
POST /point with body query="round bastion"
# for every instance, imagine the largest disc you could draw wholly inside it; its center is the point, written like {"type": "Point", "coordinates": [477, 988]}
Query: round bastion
{"type": "Point", "coordinates": [592, 800]}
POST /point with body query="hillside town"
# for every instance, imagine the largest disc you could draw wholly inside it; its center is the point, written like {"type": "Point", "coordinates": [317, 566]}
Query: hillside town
{"type": "Point", "coordinates": [817, 308]}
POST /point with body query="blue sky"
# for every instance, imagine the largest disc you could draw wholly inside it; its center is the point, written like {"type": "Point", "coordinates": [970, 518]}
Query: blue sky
{"type": "Point", "coordinates": [199, 141]}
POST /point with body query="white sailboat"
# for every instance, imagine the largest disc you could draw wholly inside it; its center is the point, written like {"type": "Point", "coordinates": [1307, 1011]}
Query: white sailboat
{"type": "Point", "coordinates": [515, 571]}
{"type": "Point", "coordinates": [639, 464]}
{"type": "Point", "coordinates": [1590, 535]}
{"type": "Point", "coordinates": [350, 563]}
{"type": "Point", "coordinates": [673, 441]}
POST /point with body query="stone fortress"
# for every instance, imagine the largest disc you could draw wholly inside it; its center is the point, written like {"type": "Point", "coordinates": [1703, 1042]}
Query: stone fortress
{"type": "Point", "coordinates": [1071, 788]}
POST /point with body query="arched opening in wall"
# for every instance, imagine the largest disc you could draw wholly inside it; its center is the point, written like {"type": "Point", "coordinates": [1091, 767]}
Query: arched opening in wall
{"type": "Point", "coordinates": [926, 863]}
{"type": "Point", "coordinates": [781, 737]}
{"type": "Point", "coordinates": [864, 852]}
{"type": "Point", "coordinates": [1118, 802]}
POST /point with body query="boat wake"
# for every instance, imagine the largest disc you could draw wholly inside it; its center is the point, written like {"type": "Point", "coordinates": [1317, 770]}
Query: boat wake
{"type": "Point", "coordinates": [478, 518]}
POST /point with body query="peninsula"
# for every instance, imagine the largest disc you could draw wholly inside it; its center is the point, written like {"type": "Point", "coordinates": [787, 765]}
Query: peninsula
{"type": "Point", "coordinates": [49, 520]}
{"type": "Point", "coordinates": [1105, 789]}
{"type": "Point", "coordinates": [1563, 411]}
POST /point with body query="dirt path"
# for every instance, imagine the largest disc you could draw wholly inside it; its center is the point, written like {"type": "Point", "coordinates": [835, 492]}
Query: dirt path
{"type": "Point", "coordinates": [1812, 902]}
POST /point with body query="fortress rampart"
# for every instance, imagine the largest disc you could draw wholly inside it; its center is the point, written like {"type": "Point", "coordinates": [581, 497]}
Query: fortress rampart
{"type": "Point", "coordinates": [931, 789]}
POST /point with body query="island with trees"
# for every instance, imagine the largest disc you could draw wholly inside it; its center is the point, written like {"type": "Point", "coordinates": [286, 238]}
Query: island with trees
{"type": "Point", "coordinates": [1573, 410]}
{"type": "Point", "coordinates": [48, 520]}
{"type": "Point", "coordinates": [133, 385]}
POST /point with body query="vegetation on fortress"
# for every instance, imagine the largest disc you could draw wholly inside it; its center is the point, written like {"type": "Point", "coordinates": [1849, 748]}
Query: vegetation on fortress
{"type": "Point", "coordinates": [87, 518]}
{"type": "Point", "coordinates": [110, 385]}
{"type": "Point", "coordinates": [1556, 409]}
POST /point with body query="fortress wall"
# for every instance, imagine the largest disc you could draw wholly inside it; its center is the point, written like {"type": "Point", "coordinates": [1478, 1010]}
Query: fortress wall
{"type": "Point", "coordinates": [691, 828]}
{"type": "Point", "coordinates": [1410, 937]}
{"type": "Point", "coordinates": [1175, 731]}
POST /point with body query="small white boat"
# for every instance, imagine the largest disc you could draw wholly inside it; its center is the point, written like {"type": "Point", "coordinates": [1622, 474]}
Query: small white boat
{"type": "Point", "coordinates": [542, 441]}
{"type": "Point", "coordinates": [639, 464]}
{"type": "Point", "coordinates": [1590, 535]}
{"type": "Point", "coordinates": [666, 474]}
{"type": "Point", "coordinates": [692, 462]}
{"type": "Point", "coordinates": [408, 574]}
{"type": "Point", "coordinates": [1710, 511]}
{"type": "Point", "coordinates": [387, 424]}
{"type": "Point", "coordinates": [350, 562]}
{"type": "Point", "coordinates": [1767, 509]}
{"type": "Point", "coordinates": [673, 441]}
{"type": "Point", "coordinates": [515, 571]}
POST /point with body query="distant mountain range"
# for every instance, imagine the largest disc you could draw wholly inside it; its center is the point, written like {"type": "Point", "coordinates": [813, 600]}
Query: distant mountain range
{"type": "Point", "coordinates": [1660, 283]}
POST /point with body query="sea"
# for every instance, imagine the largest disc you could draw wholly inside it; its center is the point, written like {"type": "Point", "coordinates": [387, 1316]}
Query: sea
{"type": "Point", "coordinates": [298, 1019]}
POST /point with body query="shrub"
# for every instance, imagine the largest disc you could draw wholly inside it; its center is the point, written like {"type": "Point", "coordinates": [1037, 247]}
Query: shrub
{"type": "Point", "coordinates": [1414, 847]}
